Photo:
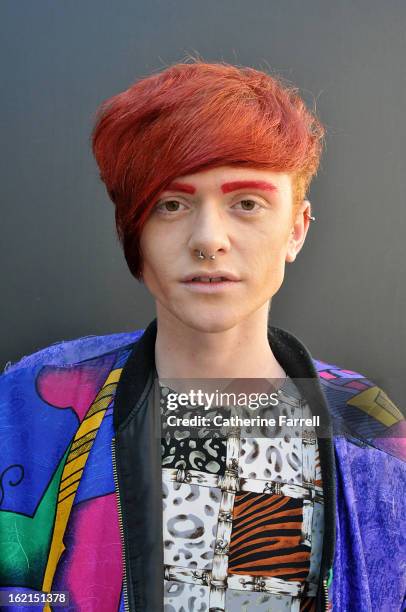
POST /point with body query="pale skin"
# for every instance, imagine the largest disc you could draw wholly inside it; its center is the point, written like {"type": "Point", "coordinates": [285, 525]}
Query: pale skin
{"type": "Point", "coordinates": [253, 233]}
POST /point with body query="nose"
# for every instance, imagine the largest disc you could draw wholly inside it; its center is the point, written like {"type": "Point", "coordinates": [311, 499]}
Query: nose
{"type": "Point", "coordinates": [209, 232]}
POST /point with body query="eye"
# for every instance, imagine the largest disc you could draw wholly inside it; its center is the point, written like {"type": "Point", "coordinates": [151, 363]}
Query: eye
{"type": "Point", "coordinates": [168, 206]}
{"type": "Point", "coordinates": [248, 205]}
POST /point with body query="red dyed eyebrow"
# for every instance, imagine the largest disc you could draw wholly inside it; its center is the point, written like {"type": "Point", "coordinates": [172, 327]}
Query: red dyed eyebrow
{"type": "Point", "coordinates": [175, 186]}
{"type": "Point", "coordinates": [234, 185]}
{"type": "Point", "coordinates": [225, 187]}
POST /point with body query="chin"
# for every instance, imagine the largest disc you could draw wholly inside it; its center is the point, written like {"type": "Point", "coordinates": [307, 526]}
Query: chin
{"type": "Point", "coordinates": [210, 322]}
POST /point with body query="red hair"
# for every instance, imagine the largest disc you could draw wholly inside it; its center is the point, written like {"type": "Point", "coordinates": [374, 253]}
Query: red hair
{"type": "Point", "coordinates": [191, 117]}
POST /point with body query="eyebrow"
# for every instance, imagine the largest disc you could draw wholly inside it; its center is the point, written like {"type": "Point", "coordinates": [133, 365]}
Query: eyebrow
{"type": "Point", "coordinates": [185, 187]}
{"type": "Point", "coordinates": [234, 185]}
{"type": "Point", "coordinates": [225, 187]}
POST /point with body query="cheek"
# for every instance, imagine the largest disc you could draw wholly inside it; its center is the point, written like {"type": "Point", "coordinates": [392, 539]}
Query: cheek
{"type": "Point", "coordinates": [159, 244]}
{"type": "Point", "coordinates": [152, 255]}
{"type": "Point", "coordinates": [266, 253]}
{"type": "Point", "coordinates": [157, 270]}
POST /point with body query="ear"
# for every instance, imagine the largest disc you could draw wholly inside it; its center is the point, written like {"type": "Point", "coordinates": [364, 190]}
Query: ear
{"type": "Point", "coordinates": [298, 231]}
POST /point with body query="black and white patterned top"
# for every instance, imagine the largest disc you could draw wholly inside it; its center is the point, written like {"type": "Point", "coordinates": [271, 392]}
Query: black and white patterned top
{"type": "Point", "coordinates": [242, 515]}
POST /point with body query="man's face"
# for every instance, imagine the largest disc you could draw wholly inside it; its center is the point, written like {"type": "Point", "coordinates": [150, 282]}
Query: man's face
{"type": "Point", "coordinates": [242, 216]}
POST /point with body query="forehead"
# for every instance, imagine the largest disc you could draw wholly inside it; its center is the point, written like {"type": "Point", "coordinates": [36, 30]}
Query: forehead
{"type": "Point", "coordinates": [230, 178]}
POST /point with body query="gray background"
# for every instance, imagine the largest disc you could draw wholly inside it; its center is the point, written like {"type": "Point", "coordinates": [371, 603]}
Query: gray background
{"type": "Point", "coordinates": [64, 275]}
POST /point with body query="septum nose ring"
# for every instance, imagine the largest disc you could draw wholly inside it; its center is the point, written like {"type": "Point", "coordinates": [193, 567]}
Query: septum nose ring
{"type": "Point", "coordinates": [201, 255]}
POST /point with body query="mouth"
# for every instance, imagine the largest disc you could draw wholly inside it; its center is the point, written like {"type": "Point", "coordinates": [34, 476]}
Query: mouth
{"type": "Point", "coordinates": [206, 276]}
{"type": "Point", "coordinates": [210, 284]}
{"type": "Point", "coordinates": [209, 279]}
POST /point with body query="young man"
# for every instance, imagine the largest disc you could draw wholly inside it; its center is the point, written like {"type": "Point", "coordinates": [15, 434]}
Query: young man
{"type": "Point", "coordinates": [208, 166]}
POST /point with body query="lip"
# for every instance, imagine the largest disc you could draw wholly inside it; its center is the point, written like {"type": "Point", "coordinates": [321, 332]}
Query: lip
{"type": "Point", "coordinates": [212, 273]}
{"type": "Point", "coordinates": [216, 287]}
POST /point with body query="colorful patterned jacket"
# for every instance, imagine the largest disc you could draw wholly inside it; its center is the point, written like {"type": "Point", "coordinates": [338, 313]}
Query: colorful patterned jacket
{"type": "Point", "coordinates": [78, 456]}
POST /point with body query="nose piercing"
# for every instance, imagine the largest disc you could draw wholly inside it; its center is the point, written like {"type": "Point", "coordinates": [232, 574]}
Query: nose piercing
{"type": "Point", "coordinates": [201, 255]}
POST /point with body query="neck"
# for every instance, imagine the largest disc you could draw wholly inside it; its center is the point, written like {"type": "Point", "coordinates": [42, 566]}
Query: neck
{"type": "Point", "coordinates": [243, 351]}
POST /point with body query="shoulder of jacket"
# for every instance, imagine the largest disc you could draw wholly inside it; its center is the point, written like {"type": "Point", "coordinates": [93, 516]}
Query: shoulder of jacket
{"type": "Point", "coordinates": [77, 350]}
{"type": "Point", "coordinates": [363, 409]}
